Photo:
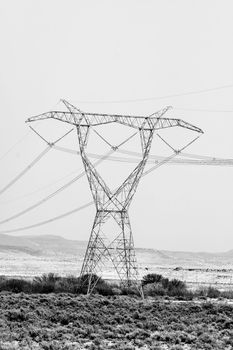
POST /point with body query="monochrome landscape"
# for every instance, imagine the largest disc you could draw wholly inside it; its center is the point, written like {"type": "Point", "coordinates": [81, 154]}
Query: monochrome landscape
{"type": "Point", "coordinates": [116, 159]}
{"type": "Point", "coordinates": [32, 255]}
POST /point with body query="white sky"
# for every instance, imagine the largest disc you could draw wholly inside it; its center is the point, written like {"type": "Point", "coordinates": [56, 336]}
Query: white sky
{"type": "Point", "coordinates": [120, 50]}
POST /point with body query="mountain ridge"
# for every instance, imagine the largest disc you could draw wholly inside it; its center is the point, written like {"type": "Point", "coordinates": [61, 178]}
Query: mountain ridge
{"type": "Point", "coordinates": [55, 244]}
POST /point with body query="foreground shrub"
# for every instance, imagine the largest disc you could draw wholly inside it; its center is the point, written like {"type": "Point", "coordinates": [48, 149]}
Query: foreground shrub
{"type": "Point", "coordinates": [176, 288]}
{"type": "Point", "coordinates": [209, 292]}
{"type": "Point", "coordinates": [15, 285]}
{"type": "Point", "coordinates": [130, 290]}
{"type": "Point", "coordinates": [151, 278]}
{"type": "Point", "coordinates": [68, 284]}
{"type": "Point", "coordinates": [154, 289]}
{"type": "Point", "coordinates": [154, 284]}
{"type": "Point", "coordinates": [46, 283]}
{"type": "Point", "coordinates": [228, 294]}
{"type": "Point", "coordinates": [83, 282]}
{"type": "Point", "coordinates": [213, 292]}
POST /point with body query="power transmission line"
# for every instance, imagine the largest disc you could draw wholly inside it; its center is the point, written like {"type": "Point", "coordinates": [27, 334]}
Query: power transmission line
{"type": "Point", "coordinates": [34, 162]}
{"type": "Point", "coordinates": [146, 99]}
{"type": "Point", "coordinates": [45, 199]}
{"type": "Point", "coordinates": [73, 211]}
{"type": "Point", "coordinates": [51, 184]}
{"type": "Point", "coordinates": [151, 157]}
{"type": "Point", "coordinates": [203, 110]}
{"type": "Point", "coordinates": [14, 145]}
{"type": "Point", "coordinates": [82, 174]}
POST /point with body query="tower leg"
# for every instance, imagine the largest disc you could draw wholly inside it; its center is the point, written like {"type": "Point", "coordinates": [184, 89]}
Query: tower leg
{"type": "Point", "coordinates": [119, 252]}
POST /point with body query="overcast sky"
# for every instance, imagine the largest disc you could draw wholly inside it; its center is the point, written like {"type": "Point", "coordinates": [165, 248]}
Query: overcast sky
{"type": "Point", "coordinates": [99, 55]}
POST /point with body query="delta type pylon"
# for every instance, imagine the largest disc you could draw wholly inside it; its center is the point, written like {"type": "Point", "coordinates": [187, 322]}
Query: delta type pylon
{"type": "Point", "coordinates": [113, 204]}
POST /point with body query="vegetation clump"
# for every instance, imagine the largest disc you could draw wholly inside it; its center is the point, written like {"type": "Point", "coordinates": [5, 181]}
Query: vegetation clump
{"type": "Point", "coordinates": [157, 285]}
{"type": "Point", "coordinates": [154, 285]}
{"type": "Point", "coordinates": [58, 321]}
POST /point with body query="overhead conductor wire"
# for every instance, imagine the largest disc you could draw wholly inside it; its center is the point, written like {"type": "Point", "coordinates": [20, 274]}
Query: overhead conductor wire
{"type": "Point", "coordinates": [36, 160]}
{"type": "Point", "coordinates": [55, 218]}
{"type": "Point", "coordinates": [193, 92]}
{"type": "Point", "coordinates": [15, 144]}
{"type": "Point", "coordinates": [43, 200]}
{"type": "Point", "coordinates": [87, 204]}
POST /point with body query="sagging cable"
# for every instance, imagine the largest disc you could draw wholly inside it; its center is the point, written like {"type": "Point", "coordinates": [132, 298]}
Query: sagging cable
{"type": "Point", "coordinates": [34, 162]}
{"type": "Point", "coordinates": [55, 218]}
{"type": "Point", "coordinates": [43, 200]}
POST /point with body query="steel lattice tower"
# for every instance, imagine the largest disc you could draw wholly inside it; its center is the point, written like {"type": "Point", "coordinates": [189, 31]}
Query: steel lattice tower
{"type": "Point", "coordinates": [113, 204]}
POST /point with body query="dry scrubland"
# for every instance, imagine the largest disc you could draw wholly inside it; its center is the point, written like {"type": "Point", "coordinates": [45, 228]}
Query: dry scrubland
{"type": "Point", "coordinates": [66, 321]}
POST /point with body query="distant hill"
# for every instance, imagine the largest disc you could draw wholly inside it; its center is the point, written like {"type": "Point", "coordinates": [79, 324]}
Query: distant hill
{"type": "Point", "coordinates": [49, 245]}
{"type": "Point", "coordinates": [41, 244]}
{"type": "Point", "coordinates": [183, 258]}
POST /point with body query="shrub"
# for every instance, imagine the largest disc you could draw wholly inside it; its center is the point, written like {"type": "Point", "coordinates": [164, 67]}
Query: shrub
{"type": "Point", "coordinates": [104, 288]}
{"type": "Point", "coordinates": [165, 282]}
{"type": "Point", "coordinates": [17, 315]}
{"type": "Point", "coordinates": [213, 292]}
{"type": "Point", "coordinates": [15, 285]}
{"type": "Point", "coordinates": [68, 284]}
{"type": "Point", "coordinates": [176, 288]}
{"type": "Point", "coordinates": [52, 283]}
{"type": "Point", "coordinates": [129, 290]}
{"type": "Point", "coordinates": [228, 294]}
{"type": "Point", "coordinates": [158, 285]}
{"type": "Point", "coordinates": [151, 278]}
{"type": "Point", "coordinates": [100, 286]}
{"type": "Point", "coordinates": [209, 292]}
{"type": "Point", "coordinates": [154, 289]}
{"type": "Point", "coordinates": [46, 283]}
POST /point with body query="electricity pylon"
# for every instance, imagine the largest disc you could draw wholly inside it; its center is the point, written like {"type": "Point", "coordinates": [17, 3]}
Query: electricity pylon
{"type": "Point", "coordinates": [113, 204]}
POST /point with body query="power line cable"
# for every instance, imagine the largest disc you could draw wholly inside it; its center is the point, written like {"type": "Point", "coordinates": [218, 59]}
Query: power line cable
{"type": "Point", "coordinates": [51, 184]}
{"type": "Point", "coordinates": [194, 92]}
{"type": "Point", "coordinates": [138, 155]}
{"type": "Point", "coordinates": [197, 160]}
{"type": "Point", "coordinates": [167, 160]}
{"type": "Point", "coordinates": [58, 217]}
{"type": "Point", "coordinates": [15, 144]}
{"type": "Point", "coordinates": [34, 162]}
{"type": "Point", "coordinates": [45, 199]}
{"type": "Point", "coordinates": [203, 110]}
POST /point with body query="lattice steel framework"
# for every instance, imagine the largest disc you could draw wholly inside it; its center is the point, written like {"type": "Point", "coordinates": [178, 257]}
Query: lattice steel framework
{"type": "Point", "coordinates": [113, 204]}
